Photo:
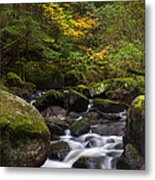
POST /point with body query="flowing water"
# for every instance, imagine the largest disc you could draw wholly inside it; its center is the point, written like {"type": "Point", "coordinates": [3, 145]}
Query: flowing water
{"type": "Point", "coordinates": [89, 145]}
{"type": "Point", "coordinates": [107, 148]}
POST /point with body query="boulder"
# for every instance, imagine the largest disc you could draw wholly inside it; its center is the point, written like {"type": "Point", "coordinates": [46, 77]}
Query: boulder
{"type": "Point", "coordinates": [109, 106]}
{"type": "Point", "coordinates": [54, 111]}
{"type": "Point", "coordinates": [109, 129]}
{"type": "Point", "coordinates": [56, 126]}
{"type": "Point", "coordinates": [77, 101]}
{"type": "Point", "coordinates": [50, 98]}
{"type": "Point", "coordinates": [44, 75]}
{"type": "Point", "coordinates": [14, 80]}
{"type": "Point", "coordinates": [58, 150]}
{"type": "Point", "coordinates": [135, 129]}
{"type": "Point", "coordinates": [25, 137]}
{"type": "Point", "coordinates": [134, 140]}
{"type": "Point", "coordinates": [80, 127]}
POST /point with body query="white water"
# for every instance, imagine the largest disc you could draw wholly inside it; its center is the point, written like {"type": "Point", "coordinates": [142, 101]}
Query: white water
{"type": "Point", "coordinates": [103, 148]}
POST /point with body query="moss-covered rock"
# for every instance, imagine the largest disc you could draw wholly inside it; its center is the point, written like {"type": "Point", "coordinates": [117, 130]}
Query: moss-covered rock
{"type": "Point", "coordinates": [44, 75]}
{"type": "Point", "coordinates": [109, 106]}
{"type": "Point", "coordinates": [14, 80]}
{"type": "Point", "coordinates": [136, 124]}
{"type": "Point", "coordinates": [51, 97]}
{"type": "Point", "coordinates": [80, 127]}
{"type": "Point", "coordinates": [124, 89]}
{"type": "Point", "coordinates": [134, 140]}
{"type": "Point", "coordinates": [131, 159]}
{"type": "Point", "coordinates": [58, 150]}
{"type": "Point", "coordinates": [77, 101]}
{"type": "Point", "coordinates": [24, 134]}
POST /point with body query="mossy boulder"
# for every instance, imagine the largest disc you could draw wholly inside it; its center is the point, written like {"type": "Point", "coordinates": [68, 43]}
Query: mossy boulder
{"type": "Point", "coordinates": [44, 75]}
{"type": "Point", "coordinates": [77, 101]}
{"type": "Point", "coordinates": [24, 135]}
{"type": "Point", "coordinates": [136, 124]}
{"type": "Point", "coordinates": [58, 150]}
{"type": "Point", "coordinates": [14, 80]}
{"type": "Point", "coordinates": [50, 98]}
{"type": "Point", "coordinates": [124, 89]}
{"type": "Point", "coordinates": [109, 106]}
{"type": "Point", "coordinates": [134, 140]}
{"type": "Point", "coordinates": [131, 159]}
{"type": "Point", "coordinates": [80, 127]}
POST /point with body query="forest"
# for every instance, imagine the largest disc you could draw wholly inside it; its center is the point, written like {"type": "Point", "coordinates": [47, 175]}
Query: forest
{"type": "Point", "coordinates": [70, 70]}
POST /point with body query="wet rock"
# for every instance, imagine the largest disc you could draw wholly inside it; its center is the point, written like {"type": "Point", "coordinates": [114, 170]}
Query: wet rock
{"type": "Point", "coordinates": [118, 146]}
{"type": "Point", "coordinates": [77, 102]}
{"type": "Point", "coordinates": [109, 106]}
{"type": "Point", "coordinates": [134, 140]}
{"type": "Point", "coordinates": [93, 116]}
{"type": "Point", "coordinates": [88, 163]}
{"type": "Point", "coordinates": [94, 142]}
{"type": "Point", "coordinates": [110, 141]}
{"type": "Point", "coordinates": [54, 111]}
{"type": "Point", "coordinates": [80, 127]}
{"type": "Point", "coordinates": [44, 75]}
{"type": "Point", "coordinates": [50, 98]}
{"type": "Point", "coordinates": [24, 135]}
{"type": "Point", "coordinates": [58, 150]}
{"type": "Point", "coordinates": [56, 126]}
{"type": "Point", "coordinates": [109, 129]}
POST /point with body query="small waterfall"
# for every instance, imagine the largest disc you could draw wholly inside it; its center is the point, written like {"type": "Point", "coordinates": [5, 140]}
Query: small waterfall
{"type": "Point", "coordinates": [103, 148]}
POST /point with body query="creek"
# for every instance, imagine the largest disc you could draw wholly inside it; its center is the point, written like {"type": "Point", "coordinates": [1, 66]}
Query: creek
{"type": "Point", "coordinates": [102, 145]}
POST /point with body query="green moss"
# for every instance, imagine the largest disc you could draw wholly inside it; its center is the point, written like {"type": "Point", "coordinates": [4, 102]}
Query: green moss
{"type": "Point", "coordinates": [44, 75]}
{"type": "Point", "coordinates": [51, 97]}
{"type": "Point", "coordinates": [3, 87]}
{"type": "Point", "coordinates": [134, 153]}
{"type": "Point", "coordinates": [20, 118]}
{"type": "Point", "coordinates": [14, 80]}
{"type": "Point", "coordinates": [139, 102]}
{"type": "Point", "coordinates": [125, 89]}
{"type": "Point", "coordinates": [109, 106]}
{"type": "Point", "coordinates": [79, 94]}
{"type": "Point", "coordinates": [96, 88]}
{"type": "Point", "coordinates": [80, 127]}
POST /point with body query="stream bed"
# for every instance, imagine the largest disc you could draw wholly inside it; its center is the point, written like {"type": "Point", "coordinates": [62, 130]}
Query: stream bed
{"type": "Point", "coordinates": [103, 151]}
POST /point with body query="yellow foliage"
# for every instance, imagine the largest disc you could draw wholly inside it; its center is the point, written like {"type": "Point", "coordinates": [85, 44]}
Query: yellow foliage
{"type": "Point", "coordinates": [68, 24]}
{"type": "Point", "coordinates": [100, 55]}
